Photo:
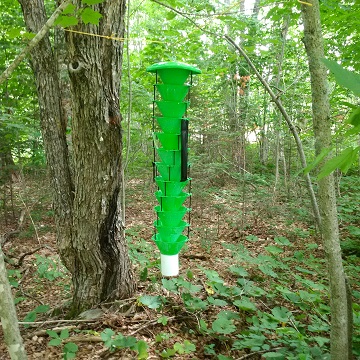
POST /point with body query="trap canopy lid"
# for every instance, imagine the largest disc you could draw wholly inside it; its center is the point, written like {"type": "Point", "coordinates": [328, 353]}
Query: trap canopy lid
{"type": "Point", "coordinates": [173, 65]}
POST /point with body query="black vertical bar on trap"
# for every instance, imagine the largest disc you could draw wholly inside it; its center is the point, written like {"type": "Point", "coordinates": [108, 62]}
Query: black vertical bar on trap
{"type": "Point", "coordinates": [153, 128]}
{"type": "Point", "coordinates": [184, 149]}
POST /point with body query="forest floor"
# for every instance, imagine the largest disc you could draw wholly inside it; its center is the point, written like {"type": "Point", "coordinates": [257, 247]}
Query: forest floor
{"type": "Point", "coordinates": [252, 281]}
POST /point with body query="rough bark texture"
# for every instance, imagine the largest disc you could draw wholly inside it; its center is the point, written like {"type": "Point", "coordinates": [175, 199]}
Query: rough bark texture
{"type": "Point", "coordinates": [8, 316]}
{"type": "Point", "coordinates": [102, 268]}
{"type": "Point", "coordinates": [53, 127]}
{"type": "Point", "coordinates": [340, 317]}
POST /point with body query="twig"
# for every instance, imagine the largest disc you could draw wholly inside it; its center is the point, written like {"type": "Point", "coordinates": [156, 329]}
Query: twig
{"type": "Point", "coordinates": [151, 322]}
{"type": "Point", "coordinates": [55, 322]}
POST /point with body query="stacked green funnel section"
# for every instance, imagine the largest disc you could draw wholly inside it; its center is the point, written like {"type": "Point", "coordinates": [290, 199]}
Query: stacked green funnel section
{"type": "Point", "coordinates": [171, 146]}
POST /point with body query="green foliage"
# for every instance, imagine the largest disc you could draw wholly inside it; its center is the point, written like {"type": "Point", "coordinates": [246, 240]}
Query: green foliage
{"type": "Point", "coordinates": [48, 268]}
{"type": "Point", "coordinates": [115, 341]}
{"type": "Point", "coordinates": [152, 302]}
{"type": "Point", "coordinates": [69, 349]}
{"type": "Point", "coordinates": [32, 315]}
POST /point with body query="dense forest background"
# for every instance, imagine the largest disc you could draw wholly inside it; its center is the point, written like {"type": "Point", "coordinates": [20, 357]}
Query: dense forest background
{"type": "Point", "coordinates": [254, 281]}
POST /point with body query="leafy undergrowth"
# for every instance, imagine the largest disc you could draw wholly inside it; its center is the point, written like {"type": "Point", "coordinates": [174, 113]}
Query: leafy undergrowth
{"type": "Point", "coordinates": [252, 285]}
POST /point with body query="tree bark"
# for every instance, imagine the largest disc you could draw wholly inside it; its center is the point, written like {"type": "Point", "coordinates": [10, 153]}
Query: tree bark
{"type": "Point", "coordinates": [8, 316]}
{"type": "Point", "coordinates": [102, 267]}
{"type": "Point", "coordinates": [341, 317]}
{"type": "Point", "coordinates": [53, 128]}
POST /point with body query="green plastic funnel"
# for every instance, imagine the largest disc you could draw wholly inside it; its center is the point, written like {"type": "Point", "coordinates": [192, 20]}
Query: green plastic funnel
{"type": "Point", "coordinates": [170, 188]}
{"type": "Point", "coordinates": [169, 173]}
{"type": "Point", "coordinates": [173, 92]}
{"type": "Point", "coordinates": [169, 125]}
{"type": "Point", "coordinates": [169, 157]}
{"type": "Point", "coordinates": [170, 248]}
{"type": "Point", "coordinates": [172, 108]}
{"type": "Point", "coordinates": [171, 218]}
{"type": "Point", "coordinates": [173, 72]}
{"type": "Point", "coordinates": [171, 203]}
{"type": "Point", "coordinates": [170, 234]}
{"type": "Point", "coordinates": [169, 141]}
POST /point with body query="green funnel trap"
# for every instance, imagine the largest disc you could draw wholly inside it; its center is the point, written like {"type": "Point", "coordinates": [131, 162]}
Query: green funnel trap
{"type": "Point", "coordinates": [170, 203]}
{"type": "Point", "coordinates": [170, 188]}
{"type": "Point", "coordinates": [171, 218]}
{"type": "Point", "coordinates": [169, 173]}
{"type": "Point", "coordinates": [169, 125]}
{"type": "Point", "coordinates": [170, 234]}
{"type": "Point", "coordinates": [169, 157]}
{"type": "Point", "coordinates": [169, 141]}
{"type": "Point", "coordinates": [171, 146]}
{"type": "Point", "coordinates": [170, 248]}
{"type": "Point", "coordinates": [173, 92]}
{"type": "Point", "coordinates": [172, 108]}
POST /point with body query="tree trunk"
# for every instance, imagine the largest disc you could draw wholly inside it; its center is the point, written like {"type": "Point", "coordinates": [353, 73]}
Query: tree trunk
{"type": "Point", "coordinates": [88, 213]}
{"type": "Point", "coordinates": [53, 128]}
{"type": "Point", "coordinates": [341, 315]}
{"type": "Point", "coordinates": [8, 316]}
{"type": "Point", "coordinates": [102, 268]}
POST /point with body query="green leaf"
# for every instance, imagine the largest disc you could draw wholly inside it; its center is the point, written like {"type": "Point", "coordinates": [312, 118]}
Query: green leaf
{"type": "Point", "coordinates": [13, 33]}
{"type": "Point", "coordinates": [238, 270]}
{"type": "Point", "coordinates": [91, 16]}
{"type": "Point", "coordinates": [42, 308]}
{"type": "Point", "coordinates": [267, 270]}
{"type": "Point", "coordinates": [354, 118]}
{"type": "Point", "coordinates": [281, 314]}
{"type": "Point", "coordinates": [168, 353]}
{"type": "Point", "coordinates": [343, 77]}
{"type": "Point", "coordinates": [71, 347]}
{"type": "Point", "coordinates": [223, 357]}
{"type": "Point", "coordinates": [65, 21]}
{"type": "Point", "coordinates": [216, 302]}
{"type": "Point", "coordinates": [193, 303]}
{"type": "Point", "coordinates": [274, 355]}
{"type": "Point", "coordinates": [189, 286]}
{"type": "Point", "coordinates": [245, 304]}
{"type": "Point", "coordinates": [170, 285]}
{"type": "Point", "coordinates": [163, 320]}
{"type": "Point", "coordinates": [52, 334]}
{"type": "Point", "coordinates": [55, 342]}
{"type": "Point", "coordinates": [281, 240]}
{"type": "Point", "coordinates": [69, 9]}
{"type": "Point", "coordinates": [106, 336]}
{"type": "Point", "coordinates": [342, 161]}
{"type": "Point", "coordinates": [64, 334]}
{"type": "Point", "coordinates": [318, 159]}
{"type": "Point", "coordinates": [223, 326]}
{"type": "Point", "coordinates": [152, 302]}
{"type": "Point", "coordinates": [252, 238]}
{"type": "Point", "coordinates": [144, 274]}
{"type": "Point", "coordinates": [122, 341]}
{"type": "Point", "coordinates": [273, 249]}
{"type": "Point", "coordinates": [30, 317]}
{"type": "Point", "coordinates": [92, 2]}
{"type": "Point", "coordinates": [141, 347]}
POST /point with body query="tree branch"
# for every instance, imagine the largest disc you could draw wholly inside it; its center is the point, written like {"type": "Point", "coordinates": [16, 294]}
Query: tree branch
{"type": "Point", "coordinates": [38, 37]}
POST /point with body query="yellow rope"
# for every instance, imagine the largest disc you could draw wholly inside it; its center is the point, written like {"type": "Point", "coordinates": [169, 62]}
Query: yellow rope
{"type": "Point", "coordinates": [305, 3]}
{"type": "Point", "coordinates": [107, 37]}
